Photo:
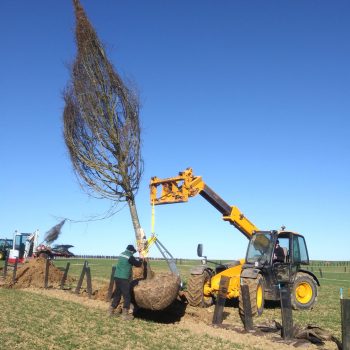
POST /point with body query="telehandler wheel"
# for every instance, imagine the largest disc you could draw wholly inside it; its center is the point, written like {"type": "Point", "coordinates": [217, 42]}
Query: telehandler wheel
{"type": "Point", "coordinates": [304, 293]}
{"type": "Point", "coordinates": [256, 295]}
{"type": "Point", "coordinates": [195, 290]}
{"type": "Point", "coordinates": [2, 256]}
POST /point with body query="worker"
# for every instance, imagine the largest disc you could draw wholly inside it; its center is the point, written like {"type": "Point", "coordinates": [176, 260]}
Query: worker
{"type": "Point", "coordinates": [122, 276]}
{"type": "Point", "coordinates": [278, 254]}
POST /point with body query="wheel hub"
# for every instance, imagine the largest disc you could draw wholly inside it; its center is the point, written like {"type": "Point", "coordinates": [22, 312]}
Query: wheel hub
{"type": "Point", "coordinates": [304, 293]}
{"type": "Point", "coordinates": [259, 297]}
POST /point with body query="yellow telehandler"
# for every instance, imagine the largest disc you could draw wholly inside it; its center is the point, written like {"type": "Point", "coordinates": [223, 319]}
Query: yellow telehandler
{"type": "Point", "coordinates": [273, 257]}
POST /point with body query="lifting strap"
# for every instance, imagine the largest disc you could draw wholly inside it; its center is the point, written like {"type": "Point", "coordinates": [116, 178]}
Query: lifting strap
{"type": "Point", "coordinates": [152, 218]}
{"type": "Point", "coordinates": [165, 253]}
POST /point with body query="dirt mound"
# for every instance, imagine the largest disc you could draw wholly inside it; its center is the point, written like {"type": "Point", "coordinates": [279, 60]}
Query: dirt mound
{"type": "Point", "coordinates": [158, 292]}
{"type": "Point", "coordinates": [32, 274]}
{"type": "Point", "coordinates": [155, 293]}
{"type": "Point", "coordinates": [101, 293]}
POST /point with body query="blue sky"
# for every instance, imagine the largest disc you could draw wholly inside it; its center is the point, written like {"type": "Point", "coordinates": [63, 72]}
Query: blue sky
{"type": "Point", "coordinates": [253, 95]}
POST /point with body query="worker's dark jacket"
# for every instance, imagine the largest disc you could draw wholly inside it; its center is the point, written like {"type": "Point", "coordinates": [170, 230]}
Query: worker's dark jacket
{"type": "Point", "coordinates": [279, 254]}
{"type": "Point", "coordinates": [124, 266]}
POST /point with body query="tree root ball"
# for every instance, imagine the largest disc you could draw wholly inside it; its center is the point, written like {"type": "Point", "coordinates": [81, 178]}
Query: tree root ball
{"type": "Point", "coordinates": [158, 292]}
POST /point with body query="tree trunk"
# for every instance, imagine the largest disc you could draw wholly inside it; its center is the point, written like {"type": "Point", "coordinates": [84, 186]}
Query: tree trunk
{"type": "Point", "coordinates": [145, 271]}
{"type": "Point", "coordinates": [139, 234]}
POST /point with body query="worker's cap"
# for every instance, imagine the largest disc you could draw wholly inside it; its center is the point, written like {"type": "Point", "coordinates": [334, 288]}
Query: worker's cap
{"type": "Point", "coordinates": [131, 248]}
{"type": "Point", "coordinates": [277, 242]}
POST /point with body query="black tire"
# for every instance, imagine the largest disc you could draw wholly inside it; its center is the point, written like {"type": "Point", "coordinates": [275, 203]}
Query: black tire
{"type": "Point", "coordinates": [195, 289]}
{"type": "Point", "coordinates": [256, 295]}
{"type": "Point", "coordinates": [304, 292]}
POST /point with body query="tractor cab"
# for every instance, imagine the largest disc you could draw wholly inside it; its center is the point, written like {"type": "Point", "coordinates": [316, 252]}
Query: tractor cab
{"type": "Point", "coordinates": [270, 247]}
{"type": "Point", "coordinates": [278, 256]}
{"type": "Point", "coordinates": [5, 246]}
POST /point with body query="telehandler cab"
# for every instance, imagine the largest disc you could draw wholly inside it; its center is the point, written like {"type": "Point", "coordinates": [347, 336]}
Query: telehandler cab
{"type": "Point", "coordinates": [261, 269]}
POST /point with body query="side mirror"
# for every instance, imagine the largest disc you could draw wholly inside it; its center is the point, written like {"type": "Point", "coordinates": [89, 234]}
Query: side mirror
{"type": "Point", "coordinates": [200, 250]}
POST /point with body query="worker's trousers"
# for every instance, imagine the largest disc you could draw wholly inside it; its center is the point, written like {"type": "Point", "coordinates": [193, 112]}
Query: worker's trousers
{"type": "Point", "coordinates": [122, 288]}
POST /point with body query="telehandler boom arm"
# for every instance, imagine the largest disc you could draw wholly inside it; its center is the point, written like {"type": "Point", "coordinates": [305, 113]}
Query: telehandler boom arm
{"type": "Point", "coordinates": [178, 189]}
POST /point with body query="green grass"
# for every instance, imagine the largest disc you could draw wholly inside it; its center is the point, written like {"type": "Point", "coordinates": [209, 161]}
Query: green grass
{"type": "Point", "coordinates": [34, 321]}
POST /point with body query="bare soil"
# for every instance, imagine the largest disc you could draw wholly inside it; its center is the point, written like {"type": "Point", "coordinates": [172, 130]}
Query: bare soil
{"type": "Point", "coordinates": [156, 292]}
{"type": "Point", "coordinates": [32, 274]}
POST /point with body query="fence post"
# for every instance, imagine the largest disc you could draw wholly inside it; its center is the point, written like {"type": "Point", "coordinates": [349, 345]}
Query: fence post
{"type": "Point", "coordinates": [64, 277]}
{"type": "Point", "coordinates": [345, 321]}
{"type": "Point", "coordinates": [5, 267]}
{"type": "Point", "coordinates": [110, 287]}
{"type": "Point", "coordinates": [321, 274]}
{"type": "Point", "coordinates": [88, 281]}
{"type": "Point", "coordinates": [80, 282]}
{"type": "Point", "coordinates": [15, 271]}
{"type": "Point", "coordinates": [248, 318]}
{"type": "Point", "coordinates": [220, 302]}
{"type": "Point", "coordinates": [46, 280]}
{"type": "Point", "coordinates": [286, 310]}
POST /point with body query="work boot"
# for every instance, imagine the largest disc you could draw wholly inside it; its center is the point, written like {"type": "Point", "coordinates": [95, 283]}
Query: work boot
{"type": "Point", "coordinates": [126, 315]}
{"type": "Point", "coordinates": [114, 312]}
{"type": "Point", "coordinates": [118, 311]}
{"type": "Point", "coordinates": [133, 308]}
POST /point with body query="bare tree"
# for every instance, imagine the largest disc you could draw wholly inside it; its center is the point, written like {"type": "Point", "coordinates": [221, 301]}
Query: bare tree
{"type": "Point", "coordinates": [101, 124]}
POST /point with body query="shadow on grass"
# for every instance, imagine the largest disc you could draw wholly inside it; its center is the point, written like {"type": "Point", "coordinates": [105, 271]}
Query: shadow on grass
{"type": "Point", "coordinates": [272, 304]}
{"type": "Point", "coordinates": [268, 304]}
{"type": "Point", "coordinates": [173, 313]}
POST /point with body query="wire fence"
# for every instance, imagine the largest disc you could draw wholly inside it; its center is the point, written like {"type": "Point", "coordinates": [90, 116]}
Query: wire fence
{"type": "Point", "coordinates": [326, 263]}
{"type": "Point", "coordinates": [115, 257]}
{"type": "Point", "coordinates": [340, 273]}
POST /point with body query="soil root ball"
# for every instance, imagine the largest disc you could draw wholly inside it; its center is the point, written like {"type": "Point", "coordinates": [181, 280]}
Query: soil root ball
{"type": "Point", "coordinates": [158, 292]}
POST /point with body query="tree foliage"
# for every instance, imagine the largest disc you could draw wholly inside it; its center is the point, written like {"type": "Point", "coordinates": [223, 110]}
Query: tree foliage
{"type": "Point", "coordinates": [101, 122]}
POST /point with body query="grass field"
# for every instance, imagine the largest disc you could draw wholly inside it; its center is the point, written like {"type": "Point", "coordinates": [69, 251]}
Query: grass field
{"type": "Point", "coordinates": [47, 321]}
{"type": "Point", "coordinates": [40, 322]}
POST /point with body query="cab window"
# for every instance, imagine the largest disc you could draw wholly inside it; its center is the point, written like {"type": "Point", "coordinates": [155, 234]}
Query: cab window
{"type": "Point", "coordinates": [300, 254]}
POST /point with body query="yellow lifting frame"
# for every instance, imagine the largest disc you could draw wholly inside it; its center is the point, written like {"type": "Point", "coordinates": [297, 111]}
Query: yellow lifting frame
{"type": "Point", "coordinates": [180, 188]}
